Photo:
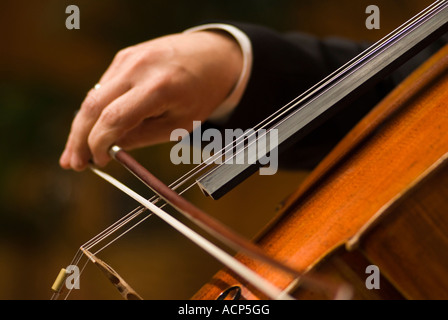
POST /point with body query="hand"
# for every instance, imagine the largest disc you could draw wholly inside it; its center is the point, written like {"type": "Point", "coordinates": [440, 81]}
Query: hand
{"type": "Point", "coordinates": [151, 89]}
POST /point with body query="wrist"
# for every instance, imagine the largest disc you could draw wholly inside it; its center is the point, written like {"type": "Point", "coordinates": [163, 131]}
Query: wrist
{"type": "Point", "coordinates": [228, 54]}
{"type": "Point", "coordinates": [241, 45]}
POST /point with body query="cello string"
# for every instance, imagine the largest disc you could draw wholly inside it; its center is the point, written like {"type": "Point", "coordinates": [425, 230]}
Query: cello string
{"type": "Point", "coordinates": [321, 85]}
{"type": "Point", "coordinates": [306, 95]}
{"type": "Point", "coordinates": [120, 221]}
{"type": "Point", "coordinates": [133, 226]}
{"type": "Point", "coordinates": [229, 261]}
{"type": "Point", "coordinates": [109, 231]}
{"type": "Point", "coordinates": [341, 72]}
{"type": "Point", "coordinates": [289, 106]}
{"type": "Point", "coordinates": [179, 182]}
{"type": "Point", "coordinates": [277, 114]}
{"type": "Point", "coordinates": [79, 275]}
{"type": "Point", "coordinates": [79, 255]}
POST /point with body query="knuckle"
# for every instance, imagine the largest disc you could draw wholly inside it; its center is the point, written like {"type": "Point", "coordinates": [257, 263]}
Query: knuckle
{"type": "Point", "coordinates": [161, 81]}
{"type": "Point", "coordinates": [139, 61]}
{"type": "Point", "coordinates": [110, 117]}
{"type": "Point", "coordinates": [124, 53]}
{"type": "Point", "coordinates": [90, 104]}
{"type": "Point", "coordinates": [158, 89]}
{"type": "Point", "coordinates": [155, 55]}
{"type": "Point", "coordinates": [167, 82]}
{"type": "Point", "coordinates": [160, 51]}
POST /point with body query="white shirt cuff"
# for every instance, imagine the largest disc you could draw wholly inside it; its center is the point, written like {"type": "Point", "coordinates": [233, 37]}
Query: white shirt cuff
{"type": "Point", "coordinates": [224, 110]}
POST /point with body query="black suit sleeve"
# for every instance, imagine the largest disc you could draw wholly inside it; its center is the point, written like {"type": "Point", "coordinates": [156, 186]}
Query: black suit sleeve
{"type": "Point", "coordinates": [286, 65]}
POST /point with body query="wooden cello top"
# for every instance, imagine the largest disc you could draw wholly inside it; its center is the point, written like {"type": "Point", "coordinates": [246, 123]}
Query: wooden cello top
{"type": "Point", "coordinates": [402, 143]}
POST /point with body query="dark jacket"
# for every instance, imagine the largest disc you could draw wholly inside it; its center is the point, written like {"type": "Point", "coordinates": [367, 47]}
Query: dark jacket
{"type": "Point", "coordinates": [285, 65]}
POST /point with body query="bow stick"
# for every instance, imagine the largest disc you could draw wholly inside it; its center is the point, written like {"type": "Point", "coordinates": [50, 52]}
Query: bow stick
{"type": "Point", "coordinates": [206, 222]}
{"type": "Point", "coordinates": [259, 282]}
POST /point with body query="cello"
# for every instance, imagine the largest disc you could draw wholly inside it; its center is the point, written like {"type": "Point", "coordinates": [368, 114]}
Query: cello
{"type": "Point", "coordinates": [329, 224]}
{"type": "Point", "coordinates": [379, 198]}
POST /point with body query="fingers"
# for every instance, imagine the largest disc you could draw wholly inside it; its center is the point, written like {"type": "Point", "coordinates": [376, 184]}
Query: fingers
{"type": "Point", "coordinates": [152, 130]}
{"type": "Point", "coordinates": [77, 153]}
{"type": "Point", "coordinates": [182, 77]}
{"type": "Point", "coordinates": [118, 118]}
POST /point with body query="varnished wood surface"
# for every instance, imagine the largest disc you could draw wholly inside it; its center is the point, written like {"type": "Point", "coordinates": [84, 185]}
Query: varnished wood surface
{"type": "Point", "coordinates": [410, 245]}
{"type": "Point", "coordinates": [392, 153]}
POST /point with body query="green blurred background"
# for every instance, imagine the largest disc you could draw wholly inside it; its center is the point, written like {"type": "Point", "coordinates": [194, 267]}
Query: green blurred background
{"type": "Point", "coordinates": [46, 213]}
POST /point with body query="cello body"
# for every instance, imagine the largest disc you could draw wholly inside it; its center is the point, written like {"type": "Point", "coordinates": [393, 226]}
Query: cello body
{"type": "Point", "coordinates": [379, 198]}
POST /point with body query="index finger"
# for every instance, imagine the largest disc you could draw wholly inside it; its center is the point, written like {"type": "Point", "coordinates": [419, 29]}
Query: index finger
{"type": "Point", "coordinates": [122, 115]}
{"type": "Point", "coordinates": [77, 153]}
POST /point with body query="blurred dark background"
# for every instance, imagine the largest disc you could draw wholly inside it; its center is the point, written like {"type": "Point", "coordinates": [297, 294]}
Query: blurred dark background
{"type": "Point", "coordinates": [46, 213]}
